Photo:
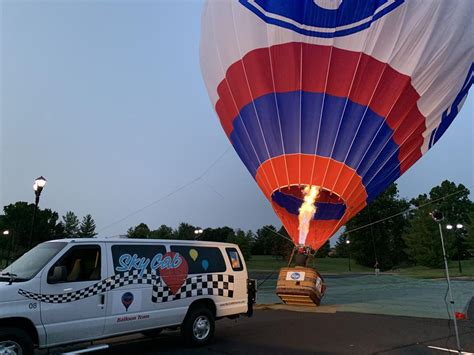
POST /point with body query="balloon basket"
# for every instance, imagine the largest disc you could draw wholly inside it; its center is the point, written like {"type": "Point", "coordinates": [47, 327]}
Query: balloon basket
{"type": "Point", "coordinates": [301, 286]}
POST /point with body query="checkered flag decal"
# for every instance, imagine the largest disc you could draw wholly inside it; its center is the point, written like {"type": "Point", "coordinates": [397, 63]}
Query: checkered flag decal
{"type": "Point", "coordinates": [212, 284]}
{"type": "Point", "coordinates": [110, 283]}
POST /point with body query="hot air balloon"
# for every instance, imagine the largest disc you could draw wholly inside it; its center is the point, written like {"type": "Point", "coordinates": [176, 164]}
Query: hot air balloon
{"type": "Point", "coordinates": [340, 95]}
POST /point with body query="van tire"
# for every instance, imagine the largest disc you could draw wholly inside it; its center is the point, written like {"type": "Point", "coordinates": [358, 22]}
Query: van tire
{"type": "Point", "coordinates": [198, 326]}
{"type": "Point", "coordinates": [18, 336]}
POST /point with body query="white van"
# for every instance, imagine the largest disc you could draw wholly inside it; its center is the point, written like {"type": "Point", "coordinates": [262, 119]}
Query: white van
{"type": "Point", "coordinates": [74, 290]}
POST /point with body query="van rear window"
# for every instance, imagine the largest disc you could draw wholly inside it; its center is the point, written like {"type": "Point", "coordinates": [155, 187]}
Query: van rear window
{"type": "Point", "coordinates": [234, 259]}
{"type": "Point", "coordinates": [201, 260]}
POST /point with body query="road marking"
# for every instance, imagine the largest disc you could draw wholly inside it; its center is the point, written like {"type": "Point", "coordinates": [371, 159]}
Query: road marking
{"type": "Point", "coordinates": [450, 350]}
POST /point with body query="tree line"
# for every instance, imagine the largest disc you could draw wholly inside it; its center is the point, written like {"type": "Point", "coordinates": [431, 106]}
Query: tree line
{"type": "Point", "coordinates": [406, 235]}
{"type": "Point", "coordinates": [411, 237]}
{"type": "Point", "coordinates": [17, 221]}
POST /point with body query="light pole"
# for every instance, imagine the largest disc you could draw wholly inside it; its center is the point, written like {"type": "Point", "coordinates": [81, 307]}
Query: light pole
{"type": "Point", "coordinates": [38, 186]}
{"type": "Point", "coordinates": [438, 218]}
{"type": "Point", "coordinates": [197, 232]}
{"type": "Point", "coordinates": [348, 242]}
{"type": "Point", "coordinates": [457, 232]}
{"type": "Point", "coordinates": [6, 233]}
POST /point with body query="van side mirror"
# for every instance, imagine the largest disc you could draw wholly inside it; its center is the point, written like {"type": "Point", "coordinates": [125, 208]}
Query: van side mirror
{"type": "Point", "coordinates": [59, 274]}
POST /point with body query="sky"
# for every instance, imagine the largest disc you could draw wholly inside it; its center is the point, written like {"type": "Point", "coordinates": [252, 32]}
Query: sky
{"type": "Point", "coordinates": [106, 100]}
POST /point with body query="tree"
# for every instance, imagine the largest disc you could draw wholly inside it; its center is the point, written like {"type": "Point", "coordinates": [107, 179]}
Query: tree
{"type": "Point", "coordinates": [470, 232]}
{"type": "Point", "coordinates": [423, 241]}
{"type": "Point", "coordinates": [185, 231]}
{"type": "Point", "coordinates": [163, 232]}
{"type": "Point", "coordinates": [342, 249]}
{"type": "Point", "coordinates": [281, 243]}
{"type": "Point", "coordinates": [18, 219]}
{"type": "Point", "coordinates": [380, 243]}
{"type": "Point", "coordinates": [140, 231]}
{"type": "Point", "coordinates": [60, 231]}
{"type": "Point", "coordinates": [221, 234]}
{"type": "Point", "coordinates": [87, 227]}
{"type": "Point", "coordinates": [5, 243]}
{"type": "Point", "coordinates": [453, 201]}
{"type": "Point", "coordinates": [324, 250]}
{"type": "Point", "coordinates": [263, 240]}
{"type": "Point", "coordinates": [71, 224]}
{"type": "Point", "coordinates": [244, 241]}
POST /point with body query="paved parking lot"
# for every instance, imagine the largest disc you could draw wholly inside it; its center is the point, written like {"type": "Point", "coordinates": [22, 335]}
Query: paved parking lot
{"type": "Point", "coordinates": [360, 314]}
{"type": "Point", "coordinates": [385, 294]}
{"type": "Point", "coordinates": [288, 332]}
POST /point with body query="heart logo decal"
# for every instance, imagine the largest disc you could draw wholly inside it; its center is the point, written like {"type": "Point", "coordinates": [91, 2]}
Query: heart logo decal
{"type": "Point", "coordinates": [174, 276]}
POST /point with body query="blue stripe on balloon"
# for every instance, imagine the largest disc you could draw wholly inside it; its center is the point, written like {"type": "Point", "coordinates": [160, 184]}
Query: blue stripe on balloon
{"type": "Point", "coordinates": [324, 211]}
{"type": "Point", "coordinates": [451, 112]}
{"type": "Point", "coordinates": [347, 130]}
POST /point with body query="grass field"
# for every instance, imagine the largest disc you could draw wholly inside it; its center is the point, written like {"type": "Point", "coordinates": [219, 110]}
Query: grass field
{"type": "Point", "coordinates": [341, 265]}
{"type": "Point", "coordinates": [327, 265]}
{"type": "Point", "coordinates": [424, 272]}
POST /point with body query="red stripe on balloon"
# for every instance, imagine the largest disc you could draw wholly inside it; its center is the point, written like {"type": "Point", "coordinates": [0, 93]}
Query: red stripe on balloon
{"type": "Point", "coordinates": [319, 230]}
{"type": "Point", "coordinates": [342, 180]}
{"type": "Point", "coordinates": [358, 76]}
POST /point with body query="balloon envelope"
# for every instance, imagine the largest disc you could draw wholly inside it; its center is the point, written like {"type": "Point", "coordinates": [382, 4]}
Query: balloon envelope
{"type": "Point", "coordinates": [345, 95]}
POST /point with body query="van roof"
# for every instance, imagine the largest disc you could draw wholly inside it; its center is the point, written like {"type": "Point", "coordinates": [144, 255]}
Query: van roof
{"type": "Point", "coordinates": [142, 241]}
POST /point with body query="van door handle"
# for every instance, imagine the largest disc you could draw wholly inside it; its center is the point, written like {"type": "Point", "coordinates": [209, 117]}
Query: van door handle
{"type": "Point", "coordinates": [69, 289]}
{"type": "Point", "coordinates": [102, 299]}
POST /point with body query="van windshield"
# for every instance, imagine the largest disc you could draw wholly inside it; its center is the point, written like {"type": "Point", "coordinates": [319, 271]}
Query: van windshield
{"type": "Point", "coordinates": [30, 263]}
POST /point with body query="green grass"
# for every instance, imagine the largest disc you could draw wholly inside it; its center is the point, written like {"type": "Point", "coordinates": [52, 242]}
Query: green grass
{"type": "Point", "coordinates": [340, 266]}
{"type": "Point", "coordinates": [425, 272]}
{"type": "Point", "coordinates": [326, 265]}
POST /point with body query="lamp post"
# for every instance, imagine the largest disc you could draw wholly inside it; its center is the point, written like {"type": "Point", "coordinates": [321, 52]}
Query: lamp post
{"type": "Point", "coordinates": [457, 232]}
{"type": "Point", "coordinates": [38, 186]}
{"type": "Point", "coordinates": [6, 233]}
{"type": "Point", "coordinates": [197, 232]}
{"type": "Point", "coordinates": [438, 218]}
{"type": "Point", "coordinates": [348, 242]}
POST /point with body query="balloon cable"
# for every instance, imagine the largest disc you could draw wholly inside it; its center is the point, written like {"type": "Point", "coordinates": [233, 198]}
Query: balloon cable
{"type": "Point", "coordinates": [281, 235]}
{"type": "Point", "coordinates": [373, 239]}
{"type": "Point", "coordinates": [402, 212]}
{"type": "Point", "coordinates": [178, 189]}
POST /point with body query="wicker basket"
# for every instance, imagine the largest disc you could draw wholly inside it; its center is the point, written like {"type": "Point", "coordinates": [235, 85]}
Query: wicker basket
{"type": "Point", "coordinates": [300, 286]}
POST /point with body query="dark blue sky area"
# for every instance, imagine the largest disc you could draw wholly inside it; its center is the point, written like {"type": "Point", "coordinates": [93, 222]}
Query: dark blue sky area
{"type": "Point", "coordinates": [106, 100]}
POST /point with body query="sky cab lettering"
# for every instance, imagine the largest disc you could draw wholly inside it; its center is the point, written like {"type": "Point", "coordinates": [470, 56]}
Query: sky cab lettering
{"type": "Point", "coordinates": [129, 262]}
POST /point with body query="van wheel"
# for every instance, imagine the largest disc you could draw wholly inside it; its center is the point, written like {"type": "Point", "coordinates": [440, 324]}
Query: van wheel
{"type": "Point", "coordinates": [15, 341]}
{"type": "Point", "coordinates": [198, 326]}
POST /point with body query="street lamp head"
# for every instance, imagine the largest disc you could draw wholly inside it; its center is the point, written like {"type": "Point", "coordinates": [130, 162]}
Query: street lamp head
{"type": "Point", "coordinates": [348, 241]}
{"type": "Point", "coordinates": [459, 226]}
{"type": "Point", "coordinates": [449, 226]}
{"type": "Point", "coordinates": [437, 216]}
{"type": "Point", "coordinates": [6, 232]}
{"type": "Point", "coordinates": [40, 182]}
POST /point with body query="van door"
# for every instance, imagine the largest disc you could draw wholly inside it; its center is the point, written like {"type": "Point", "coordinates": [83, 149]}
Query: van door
{"type": "Point", "coordinates": [73, 298]}
{"type": "Point", "coordinates": [130, 305]}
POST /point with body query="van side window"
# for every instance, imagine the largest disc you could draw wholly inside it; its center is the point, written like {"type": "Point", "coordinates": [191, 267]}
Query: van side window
{"type": "Point", "coordinates": [122, 255]}
{"type": "Point", "coordinates": [80, 263]}
{"type": "Point", "coordinates": [234, 259]}
{"type": "Point", "coordinates": [201, 260]}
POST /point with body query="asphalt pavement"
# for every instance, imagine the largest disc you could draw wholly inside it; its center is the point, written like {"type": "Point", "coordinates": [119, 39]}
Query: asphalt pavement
{"type": "Point", "coordinates": [290, 332]}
